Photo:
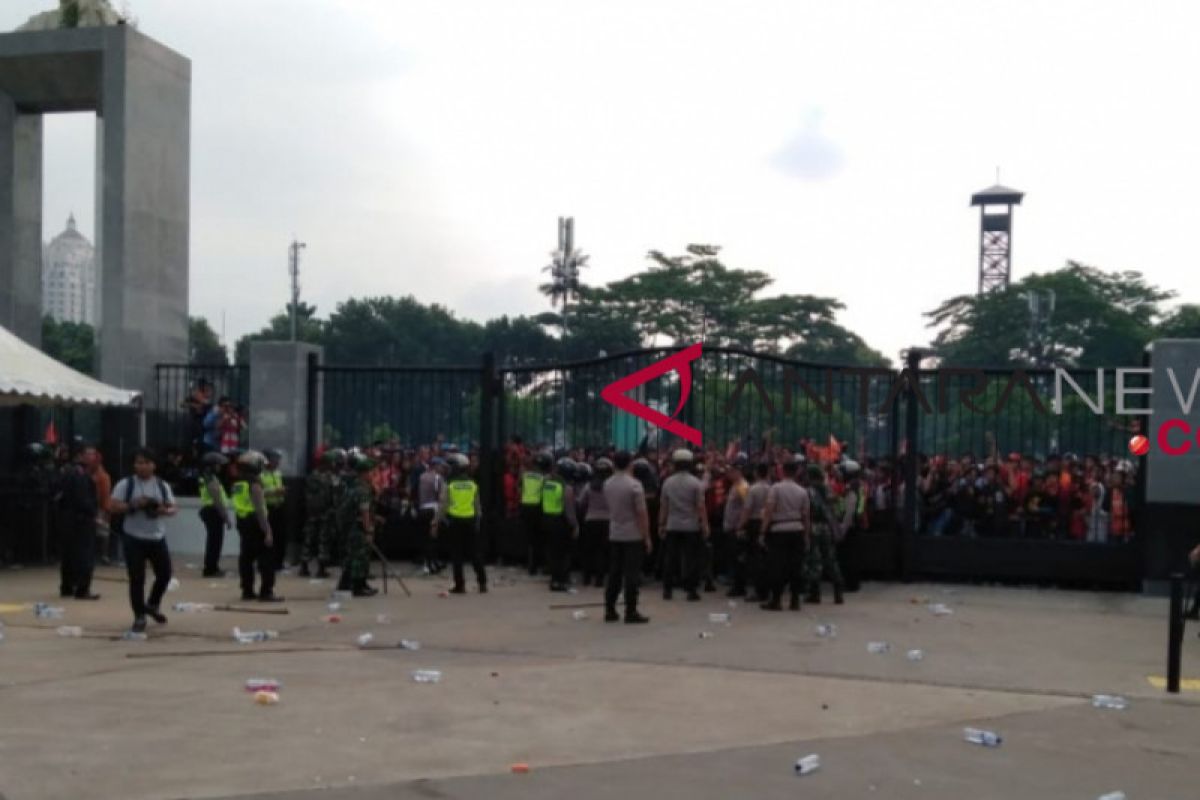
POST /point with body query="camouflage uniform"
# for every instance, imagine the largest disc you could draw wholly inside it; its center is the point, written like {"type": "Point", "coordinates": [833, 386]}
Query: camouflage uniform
{"type": "Point", "coordinates": [357, 498]}
{"type": "Point", "coordinates": [338, 524]}
{"type": "Point", "coordinates": [319, 517]}
{"type": "Point", "coordinates": [821, 559]}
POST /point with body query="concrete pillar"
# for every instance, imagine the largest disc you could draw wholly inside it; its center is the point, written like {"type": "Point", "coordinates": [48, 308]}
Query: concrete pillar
{"type": "Point", "coordinates": [1169, 525]}
{"type": "Point", "coordinates": [141, 93]}
{"type": "Point", "coordinates": [143, 144]}
{"type": "Point", "coordinates": [20, 221]}
{"type": "Point", "coordinates": [279, 404]}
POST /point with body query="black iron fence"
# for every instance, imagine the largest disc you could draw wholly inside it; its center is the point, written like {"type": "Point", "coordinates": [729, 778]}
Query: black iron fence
{"type": "Point", "coordinates": [185, 392]}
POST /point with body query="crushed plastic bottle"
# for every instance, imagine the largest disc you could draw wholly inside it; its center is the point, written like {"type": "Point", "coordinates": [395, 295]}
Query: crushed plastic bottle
{"type": "Point", "coordinates": [173, 585]}
{"type": "Point", "coordinates": [878, 648]}
{"type": "Point", "coordinates": [808, 764]}
{"type": "Point", "coordinates": [733, 604]}
{"type": "Point", "coordinates": [718, 617]}
{"type": "Point", "coordinates": [578, 615]}
{"type": "Point", "coordinates": [1112, 796]}
{"type": "Point", "coordinates": [706, 634]}
{"type": "Point", "coordinates": [365, 639]}
{"type": "Point", "coordinates": [249, 637]}
{"type": "Point", "coordinates": [427, 675]}
{"type": "Point", "coordinates": [266, 698]}
{"type": "Point", "coordinates": [915, 655]}
{"type": "Point", "coordinates": [334, 606]}
{"type": "Point", "coordinates": [192, 608]}
{"type": "Point", "coordinates": [1109, 701]}
{"type": "Point", "coordinates": [382, 619]}
{"type": "Point", "coordinates": [339, 596]}
{"type": "Point", "coordinates": [316, 581]}
{"type": "Point", "coordinates": [410, 644]}
{"type": "Point", "coordinates": [72, 631]}
{"type": "Point", "coordinates": [47, 611]}
{"type": "Point", "coordinates": [941, 609]}
{"type": "Point", "coordinates": [982, 737]}
{"type": "Point", "coordinates": [133, 636]}
{"type": "Point", "coordinates": [263, 685]}
{"type": "Point", "coordinates": [827, 630]}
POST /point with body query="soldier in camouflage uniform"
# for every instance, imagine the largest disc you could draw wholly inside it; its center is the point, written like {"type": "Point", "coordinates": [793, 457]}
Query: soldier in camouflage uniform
{"type": "Point", "coordinates": [356, 510]}
{"type": "Point", "coordinates": [822, 559]}
{"type": "Point", "coordinates": [319, 514]}
{"type": "Point", "coordinates": [338, 525]}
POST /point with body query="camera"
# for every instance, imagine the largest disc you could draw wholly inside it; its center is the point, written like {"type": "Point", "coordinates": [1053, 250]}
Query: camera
{"type": "Point", "coordinates": [150, 509]}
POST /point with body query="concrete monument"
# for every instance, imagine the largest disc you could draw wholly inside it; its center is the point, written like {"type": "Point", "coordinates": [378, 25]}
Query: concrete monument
{"type": "Point", "coordinates": [141, 94]}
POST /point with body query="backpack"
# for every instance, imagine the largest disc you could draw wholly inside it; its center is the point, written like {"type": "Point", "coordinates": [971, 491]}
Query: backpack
{"type": "Point", "coordinates": [116, 523]}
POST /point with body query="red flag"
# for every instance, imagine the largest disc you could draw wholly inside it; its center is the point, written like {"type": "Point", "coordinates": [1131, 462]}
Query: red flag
{"type": "Point", "coordinates": [51, 436]}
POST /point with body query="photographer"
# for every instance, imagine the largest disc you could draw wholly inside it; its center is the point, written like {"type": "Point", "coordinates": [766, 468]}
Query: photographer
{"type": "Point", "coordinates": [145, 500]}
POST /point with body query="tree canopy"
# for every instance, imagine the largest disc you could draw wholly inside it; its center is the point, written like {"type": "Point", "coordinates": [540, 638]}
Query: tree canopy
{"type": "Point", "coordinates": [1099, 319]}
{"type": "Point", "coordinates": [72, 343]}
{"type": "Point", "coordinates": [677, 299]}
{"type": "Point", "coordinates": [204, 346]}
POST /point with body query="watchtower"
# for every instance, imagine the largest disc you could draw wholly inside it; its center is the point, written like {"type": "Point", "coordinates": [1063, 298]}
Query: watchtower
{"type": "Point", "coordinates": [995, 235]}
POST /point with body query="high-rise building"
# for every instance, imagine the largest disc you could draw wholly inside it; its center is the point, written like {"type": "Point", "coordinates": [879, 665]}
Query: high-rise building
{"type": "Point", "coordinates": [69, 277]}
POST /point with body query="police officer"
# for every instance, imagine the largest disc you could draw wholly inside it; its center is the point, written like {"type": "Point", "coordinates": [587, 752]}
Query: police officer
{"type": "Point", "coordinates": [559, 523]}
{"type": "Point", "coordinates": [360, 531]}
{"type": "Point", "coordinates": [750, 537]}
{"type": "Point", "coordinates": [685, 521]}
{"type": "Point", "coordinates": [825, 531]}
{"type": "Point", "coordinates": [850, 508]}
{"type": "Point", "coordinates": [78, 505]}
{"type": "Point", "coordinates": [460, 509]}
{"type": "Point", "coordinates": [272, 480]}
{"type": "Point", "coordinates": [646, 474]}
{"type": "Point", "coordinates": [254, 528]}
{"type": "Point", "coordinates": [532, 478]}
{"type": "Point", "coordinates": [430, 488]}
{"type": "Point", "coordinates": [629, 538]}
{"type": "Point", "coordinates": [214, 511]}
{"type": "Point", "coordinates": [787, 520]}
{"type": "Point", "coordinates": [593, 543]}
{"type": "Point", "coordinates": [318, 513]}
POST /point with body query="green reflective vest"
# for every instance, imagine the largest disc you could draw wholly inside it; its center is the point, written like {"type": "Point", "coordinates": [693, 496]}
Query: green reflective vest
{"type": "Point", "coordinates": [552, 497]}
{"type": "Point", "coordinates": [243, 503]}
{"type": "Point", "coordinates": [206, 499]}
{"type": "Point", "coordinates": [531, 488]}
{"type": "Point", "coordinates": [271, 479]}
{"type": "Point", "coordinates": [462, 499]}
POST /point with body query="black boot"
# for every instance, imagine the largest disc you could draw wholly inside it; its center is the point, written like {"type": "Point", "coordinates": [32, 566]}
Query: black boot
{"type": "Point", "coordinates": [304, 572]}
{"type": "Point", "coordinates": [611, 615]}
{"type": "Point", "coordinates": [837, 594]}
{"type": "Point", "coordinates": [322, 572]}
{"type": "Point", "coordinates": [364, 590]}
{"type": "Point", "coordinates": [814, 594]}
{"type": "Point", "coordinates": [794, 605]}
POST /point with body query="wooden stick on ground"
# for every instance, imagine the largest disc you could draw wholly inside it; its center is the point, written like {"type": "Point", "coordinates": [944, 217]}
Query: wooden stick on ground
{"type": "Point", "coordinates": [578, 605]}
{"type": "Point", "coordinates": [247, 610]}
{"type": "Point", "coordinates": [241, 651]}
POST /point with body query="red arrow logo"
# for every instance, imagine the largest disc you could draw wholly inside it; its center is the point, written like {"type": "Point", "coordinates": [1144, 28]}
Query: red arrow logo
{"type": "Point", "coordinates": [680, 362]}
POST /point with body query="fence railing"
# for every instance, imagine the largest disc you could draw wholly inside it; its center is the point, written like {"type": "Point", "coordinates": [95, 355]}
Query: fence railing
{"type": "Point", "coordinates": [175, 418]}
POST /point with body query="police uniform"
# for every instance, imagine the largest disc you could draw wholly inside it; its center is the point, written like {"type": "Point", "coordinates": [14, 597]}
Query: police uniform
{"type": "Point", "coordinates": [558, 528]}
{"type": "Point", "coordinates": [755, 565]}
{"type": "Point", "coordinates": [272, 481]}
{"type": "Point", "coordinates": [531, 518]}
{"type": "Point", "coordinates": [253, 527]}
{"type": "Point", "coordinates": [460, 509]}
{"type": "Point", "coordinates": [785, 540]}
{"type": "Point", "coordinates": [214, 513]}
{"type": "Point", "coordinates": [821, 559]}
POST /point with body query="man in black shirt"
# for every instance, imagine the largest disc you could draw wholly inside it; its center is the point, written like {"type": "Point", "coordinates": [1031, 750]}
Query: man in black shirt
{"type": "Point", "coordinates": [78, 502]}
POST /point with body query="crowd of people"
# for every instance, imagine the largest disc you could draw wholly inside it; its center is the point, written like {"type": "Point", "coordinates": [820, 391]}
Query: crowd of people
{"type": "Point", "coordinates": [769, 524]}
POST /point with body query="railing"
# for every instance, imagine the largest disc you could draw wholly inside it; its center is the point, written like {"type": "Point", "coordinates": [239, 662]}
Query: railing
{"type": "Point", "coordinates": [175, 419]}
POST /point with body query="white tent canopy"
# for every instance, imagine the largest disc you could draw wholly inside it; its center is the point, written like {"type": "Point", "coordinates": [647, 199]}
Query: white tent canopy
{"type": "Point", "coordinates": [27, 375]}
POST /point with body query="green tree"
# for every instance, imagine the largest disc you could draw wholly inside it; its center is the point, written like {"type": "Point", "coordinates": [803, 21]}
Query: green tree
{"type": "Point", "coordinates": [204, 347]}
{"type": "Point", "coordinates": [309, 329]}
{"type": "Point", "coordinates": [72, 343]}
{"type": "Point", "coordinates": [1182, 323]}
{"type": "Point", "coordinates": [1100, 319]}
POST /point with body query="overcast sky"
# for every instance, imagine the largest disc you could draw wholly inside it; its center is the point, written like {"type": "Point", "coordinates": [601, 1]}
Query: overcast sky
{"type": "Point", "coordinates": [428, 148]}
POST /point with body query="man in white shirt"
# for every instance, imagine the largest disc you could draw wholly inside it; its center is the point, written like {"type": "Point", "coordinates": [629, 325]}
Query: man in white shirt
{"type": "Point", "coordinates": [145, 501]}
